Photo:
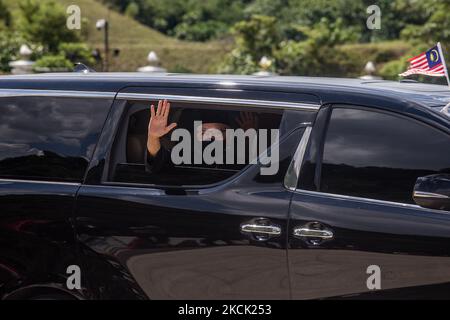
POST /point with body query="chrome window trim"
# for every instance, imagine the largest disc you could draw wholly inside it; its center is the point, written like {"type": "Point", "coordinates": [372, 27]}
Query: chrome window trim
{"type": "Point", "coordinates": [293, 172]}
{"type": "Point", "coordinates": [5, 93]}
{"type": "Point", "coordinates": [139, 96]}
{"type": "Point", "coordinates": [422, 194]}
{"type": "Point", "coordinates": [39, 181]}
{"type": "Point", "coordinates": [144, 189]}
{"type": "Point", "coordinates": [364, 200]}
{"type": "Point", "coordinates": [217, 100]}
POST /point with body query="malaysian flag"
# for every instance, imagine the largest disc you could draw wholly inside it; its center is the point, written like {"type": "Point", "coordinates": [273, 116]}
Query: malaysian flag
{"type": "Point", "coordinates": [430, 63]}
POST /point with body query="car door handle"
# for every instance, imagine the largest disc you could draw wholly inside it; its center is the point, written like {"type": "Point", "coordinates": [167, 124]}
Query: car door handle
{"type": "Point", "coordinates": [256, 228]}
{"type": "Point", "coordinates": [260, 229]}
{"type": "Point", "coordinates": [305, 232]}
{"type": "Point", "coordinates": [313, 233]}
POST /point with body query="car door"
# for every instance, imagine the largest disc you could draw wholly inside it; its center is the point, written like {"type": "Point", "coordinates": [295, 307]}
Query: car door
{"type": "Point", "coordinates": [45, 145]}
{"type": "Point", "coordinates": [222, 240]}
{"type": "Point", "coordinates": [354, 230]}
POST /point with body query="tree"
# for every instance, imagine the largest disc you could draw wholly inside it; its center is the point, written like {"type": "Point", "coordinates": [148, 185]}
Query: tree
{"type": "Point", "coordinates": [185, 19]}
{"type": "Point", "coordinates": [9, 41]}
{"type": "Point", "coordinates": [9, 48]}
{"type": "Point", "coordinates": [44, 22]}
{"type": "Point", "coordinates": [55, 62]}
{"type": "Point", "coordinates": [132, 10]}
{"type": "Point", "coordinates": [307, 13]}
{"type": "Point", "coordinates": [5, 16]}
{"type": "Point", "coordinates": [77, 52]}
{"type": "Point", "coordinates": [318, 54]}
{"type": "Point", "coordinates": [258, 36]}
{"type": "Point", "coordinates": [424, 31]}
{"type": "Point", "coordinates": [435, 28]}
{"type": "Point", "coordinates": [254, 39]}
{"type": "Point", "coordinates": [315, 54]}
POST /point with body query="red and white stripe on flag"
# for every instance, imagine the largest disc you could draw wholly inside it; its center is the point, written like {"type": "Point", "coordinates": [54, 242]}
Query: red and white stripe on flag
{"type": "Point", "coordinates": [421, 65]}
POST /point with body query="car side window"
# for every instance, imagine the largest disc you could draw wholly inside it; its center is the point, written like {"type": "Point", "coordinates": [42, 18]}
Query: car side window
{"type": "Point", "coordinates": [45, 138]}
{"type": "Point", "coordinates": [131, 163]}
{"type": "Point", "coordinates": [380, 155]}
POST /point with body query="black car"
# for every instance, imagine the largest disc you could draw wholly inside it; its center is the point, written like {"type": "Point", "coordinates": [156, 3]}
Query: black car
{"type": "Point", "coordinates": [358, 208]}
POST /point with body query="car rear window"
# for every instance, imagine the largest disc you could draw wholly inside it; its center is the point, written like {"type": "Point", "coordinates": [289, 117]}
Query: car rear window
{"type": "Point", "coordinates": [49, 138]}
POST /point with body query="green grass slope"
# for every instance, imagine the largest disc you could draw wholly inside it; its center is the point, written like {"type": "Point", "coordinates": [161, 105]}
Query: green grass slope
{"type": "Point", "coordinates": [135, 41]}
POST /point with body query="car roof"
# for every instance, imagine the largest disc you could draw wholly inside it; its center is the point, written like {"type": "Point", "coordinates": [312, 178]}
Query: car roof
{"type": "Point", "coordinates": [428, 95]}
{"type": "Point", "coordinates": [422, 101]}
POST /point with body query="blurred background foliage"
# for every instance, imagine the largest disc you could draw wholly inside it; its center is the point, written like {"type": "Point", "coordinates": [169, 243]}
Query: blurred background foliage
{"type": "Point", "coordinates": [42, 26]}
{"type": "Point", "coordinates": [299, 37]}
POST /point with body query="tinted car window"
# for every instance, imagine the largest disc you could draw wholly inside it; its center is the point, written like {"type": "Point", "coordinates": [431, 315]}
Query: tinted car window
{"type": "Point", "coordinates": [129, 164]}
{"type": "Point", "coordinates": [378, 155]}
{"type": "Point", "coordinates": [49, 138]}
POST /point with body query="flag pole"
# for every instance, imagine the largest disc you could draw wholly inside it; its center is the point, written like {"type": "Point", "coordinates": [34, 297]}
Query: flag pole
{"type": "Point", "coordinates": [441, 53]}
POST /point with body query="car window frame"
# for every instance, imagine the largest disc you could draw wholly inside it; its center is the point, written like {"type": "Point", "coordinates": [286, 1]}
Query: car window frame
{"type": "Point", "coordinates": [286, 108]}
{"type": "Point", "coordinates": [107, 97]}
{"type": "Point", "coordinates": [323, 131]}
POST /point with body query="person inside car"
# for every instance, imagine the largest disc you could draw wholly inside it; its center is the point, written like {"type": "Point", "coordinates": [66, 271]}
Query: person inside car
{"type": "Point", "coordinates": [158, 158]}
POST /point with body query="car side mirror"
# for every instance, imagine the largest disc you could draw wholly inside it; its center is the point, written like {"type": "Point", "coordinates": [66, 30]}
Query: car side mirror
{"type": "Point", "coordinates": [433, 191]}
